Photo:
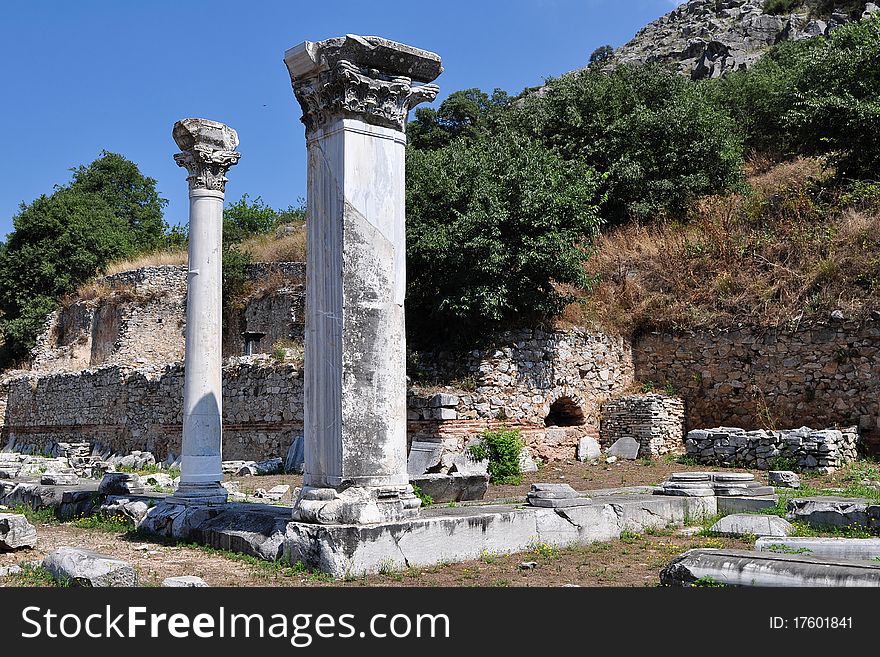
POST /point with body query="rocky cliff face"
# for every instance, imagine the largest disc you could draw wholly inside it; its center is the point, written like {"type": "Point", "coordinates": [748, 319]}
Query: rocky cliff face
{"type": "Point", "coordinates": [707, 38]}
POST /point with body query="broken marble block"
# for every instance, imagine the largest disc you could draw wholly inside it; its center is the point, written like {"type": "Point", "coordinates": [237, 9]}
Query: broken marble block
{"type": "Point", "coordinates": [624, 448]}
{"type": "Point", "coordinates": [16, 532]}
{"type": "Point", "coordinates": [588, 449]}
{"type": "Point", "coordinates": [526, 462]}
{"type": "Point", "coordinates": [743, 524]}
{"type": "Point", "coordinates": [158, 480]}
{"type": "Point", "coordinates": [274, 494]}
{"type": "Point", "coordinates": [423, 455]}
{"type": "Point", "coordinates": [465, 465]}
{"type": "Point", "coordinates": [454, 487]}
{"type": "Point", "coordinates": [64, 478]}
{"type": "Point", "coordinates": [83, 567]}
{"type": "Point", "coordinates": [784, 479]}
{"type": "Point", "coordinates": [121, 483]}
{"type": "Point", "coordinates": [555, 496]}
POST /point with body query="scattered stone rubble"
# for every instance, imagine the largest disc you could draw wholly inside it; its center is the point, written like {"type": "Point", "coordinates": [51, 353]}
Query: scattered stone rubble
{"type": "Point", "coordinates": [809, 449]}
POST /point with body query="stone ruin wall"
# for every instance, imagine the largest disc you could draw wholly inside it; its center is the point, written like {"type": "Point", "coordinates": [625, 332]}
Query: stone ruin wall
{"type": "Point", "coordinates": [518, 382]}
{"type": "Point", "coordinates": [140, 317]}
{"type": "Point", "coordinates": [807, 449]}
{"type": "Point", "coordinates": [655, 421]}
{"type": "Point", "coordinates": [820, 375]}
{"type": "Point", "coordinates": [124, 409]}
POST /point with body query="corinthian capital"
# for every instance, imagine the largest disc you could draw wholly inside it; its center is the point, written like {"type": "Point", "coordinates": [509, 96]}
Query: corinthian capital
{"type": "Point", "coordinates": [366, 78]}
{"type": "Point", "coordinates": [208, 152]}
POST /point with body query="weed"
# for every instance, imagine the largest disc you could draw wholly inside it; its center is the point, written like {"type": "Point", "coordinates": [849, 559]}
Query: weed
{"type": "Point", "coordinates": [116, 523]}
{"type": "Point", "coordinates": [545, 550]}
{"type": "Point", "coordinates": [35, 576]}
{"type": "Point", "coordinates": [627, 536]}
{"type": "Point", "coordinates": [787, 549]}
{"type": "Point", "coordinates": [502, 448]}
{"type": "Point", "coordinates": [708, 582]}
{"type": "Point", "coordinates": [426, 499]}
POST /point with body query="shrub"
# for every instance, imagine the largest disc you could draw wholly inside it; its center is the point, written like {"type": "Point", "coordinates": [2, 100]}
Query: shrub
{"type": "Point", "coordinates": [494, 226]}
{"type": "Point", "coordinates": [661, 139]}
{"type": "Point", "coordinates": [502, 448]}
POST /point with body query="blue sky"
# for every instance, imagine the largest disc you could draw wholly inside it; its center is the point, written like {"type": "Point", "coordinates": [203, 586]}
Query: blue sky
{"type": "Point", "coordinates": [79, 77]}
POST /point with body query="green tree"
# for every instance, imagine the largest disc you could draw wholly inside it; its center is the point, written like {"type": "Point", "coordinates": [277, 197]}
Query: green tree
{"type": "Point", "coordinates": [494, 226]}
{"type": "Point", "coordinates": [245, 218]}
{"type": "Point", "coordinates": [601, 55]}
{"type": "Point", "coordinates": [58, 241]}
{"type": "Point", "coordinates": [469, 113]}
{"type": "Point", "coordinates": [129, 194]}
{"type": "Point", "coordinates": [658, 136]}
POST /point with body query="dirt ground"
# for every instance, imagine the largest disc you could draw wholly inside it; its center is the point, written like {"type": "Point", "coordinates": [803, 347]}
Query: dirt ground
{"type": "Point", "coordinates": [580, 476]}
{"type": "Point", "coordinates": [634, 560]}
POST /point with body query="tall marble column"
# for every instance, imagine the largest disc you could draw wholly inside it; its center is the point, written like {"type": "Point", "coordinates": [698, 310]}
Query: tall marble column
{"type": "Point", "coordinates": [208, 153]}
{"type": "Point", "coordinates": [355, 93]}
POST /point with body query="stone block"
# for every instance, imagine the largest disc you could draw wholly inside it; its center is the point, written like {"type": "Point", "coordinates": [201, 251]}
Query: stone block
{"type": "Point", "coordinates": [16, 532]}
{"type": "Point", "coordinates": [784, 479]}
{"type": "Point", "coordinates": [423, 455]}
{"type": "Point", "coordinates": [184, 581]}
{"type": "Point", "coordinates": [294, 461]}
{"type": "Point", "coordinates": [455, 487]}
{"type": "Point", "coordinates": [121, 483]}
{"type": "Point", "coordinates": [88, 568]}
{"type": "Point", "coordinates": [741, 524]}
{"type": "Point", "coordinates": [59, 479]}
{"type": "Point", "coordinates": [624, 448]}
{"type": "Point", "coordinates": [866, 549]}
{"type": "Point", "coordinates": [588, 449]}
{"type": "Point", "coordinates": [465, 465]}
{"type": "Point", "coordinates": [526, 462]}
{"type": "Point", "coordinates": [831, 511]}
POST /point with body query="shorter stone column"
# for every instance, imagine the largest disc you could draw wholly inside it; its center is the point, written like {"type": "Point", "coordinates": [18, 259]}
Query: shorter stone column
{"type": "Point", "coordinates": [208, 153]}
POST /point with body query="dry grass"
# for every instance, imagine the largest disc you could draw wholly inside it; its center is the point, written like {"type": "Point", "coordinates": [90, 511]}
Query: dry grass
{"type": "Point", "coordinates": [786, 251]}
{"type": "Point", "coordinates": [152, 259]}
{"type": "Point", "coordinates": [286, 244]}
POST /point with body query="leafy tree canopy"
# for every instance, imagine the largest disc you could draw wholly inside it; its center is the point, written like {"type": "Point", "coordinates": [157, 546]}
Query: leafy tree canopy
{"type": "Point", "coordinates": [494, 225]}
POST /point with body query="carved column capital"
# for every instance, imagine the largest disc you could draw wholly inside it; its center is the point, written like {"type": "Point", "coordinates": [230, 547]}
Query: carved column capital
{"type": "Point", "coordinates": [208, 152]}
{"type": "Point", "coordinates": [365, 78]}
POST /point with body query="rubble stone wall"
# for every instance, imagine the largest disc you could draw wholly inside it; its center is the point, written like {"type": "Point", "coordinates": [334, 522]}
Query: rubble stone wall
{"type": "Point", "coordinates": [529, 379]}
{"type": "Point", "coordinates": [823, 450]}
{"type": "Point", "coordinates": [124, 409]}
{"type": "Point", "coordinates": [825, 374]}
{"type": "Point", "coordinates": [138, 318]}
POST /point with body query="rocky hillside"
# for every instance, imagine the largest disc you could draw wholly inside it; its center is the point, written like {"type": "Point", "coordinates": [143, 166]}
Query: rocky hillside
{"type": "Point", "coordinates": [707, 38]}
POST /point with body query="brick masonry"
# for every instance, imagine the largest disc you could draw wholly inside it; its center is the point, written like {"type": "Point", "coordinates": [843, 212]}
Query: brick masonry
{"type": "Point", "coordinates": [656, 421]}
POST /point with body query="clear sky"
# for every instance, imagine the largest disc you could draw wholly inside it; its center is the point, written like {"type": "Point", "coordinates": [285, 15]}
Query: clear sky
{"type": "Point", "coordinates": [85, 75]}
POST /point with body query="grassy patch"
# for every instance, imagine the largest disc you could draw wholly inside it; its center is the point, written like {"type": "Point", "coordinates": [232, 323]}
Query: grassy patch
{"type": "Point", "coordinates": [116, 523]}
{"type": "Point", "coordinates": [35, 576]}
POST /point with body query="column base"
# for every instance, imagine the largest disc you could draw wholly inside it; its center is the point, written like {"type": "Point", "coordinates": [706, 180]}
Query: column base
{"type": "Point", "coordinates": [357, 505]}
{"type": "Point", "coordinates": [192, 494]}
